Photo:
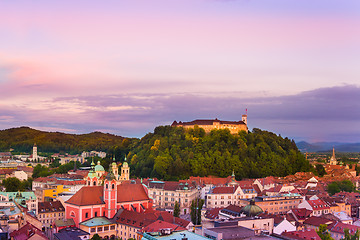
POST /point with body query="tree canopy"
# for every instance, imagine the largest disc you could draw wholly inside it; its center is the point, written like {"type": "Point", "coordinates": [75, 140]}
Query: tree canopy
{"type": "Point", "coordinates": [173, 153]}
{"type": "Point", "coordinates": [338, 186]}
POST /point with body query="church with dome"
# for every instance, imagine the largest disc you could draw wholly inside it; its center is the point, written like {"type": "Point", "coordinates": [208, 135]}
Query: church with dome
{"type": "Point", "coordinates": [105, 193]}
{"type": "Point", "coordinates": [97, 173]}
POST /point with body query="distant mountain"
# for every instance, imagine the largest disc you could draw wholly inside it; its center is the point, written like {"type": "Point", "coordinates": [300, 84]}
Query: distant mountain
{"type": "Point", "coordinates": [327, 146]}
{"type": "Point", "coordinates": [22, 139]}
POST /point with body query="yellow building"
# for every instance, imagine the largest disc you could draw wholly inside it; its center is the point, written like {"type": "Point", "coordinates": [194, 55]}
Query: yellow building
{"type": "Point", "coordinates": [50, 193]}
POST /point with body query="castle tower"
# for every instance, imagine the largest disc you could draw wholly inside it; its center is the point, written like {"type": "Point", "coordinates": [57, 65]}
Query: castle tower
{"type": "Point", "coordinates": [35, 155]}
{"type": "Point", "coordinates": [333, 158]}
{"type": "Point", "coordinates": [244, 118]}
{"type": "Point", "coordinates": [110, 194]}
{"type": "Point", "coordinates": [125, 171]}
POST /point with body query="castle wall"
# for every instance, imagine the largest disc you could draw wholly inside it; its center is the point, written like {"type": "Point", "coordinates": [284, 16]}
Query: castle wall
{"type": "Point", "coordinates": [234, 129]}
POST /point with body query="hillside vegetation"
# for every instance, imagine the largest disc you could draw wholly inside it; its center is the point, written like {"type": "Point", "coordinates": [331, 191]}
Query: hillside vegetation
{"type": "Point", "coordinates": [22, 140]}
{"type": "Point", "coordinates": [175, 153]}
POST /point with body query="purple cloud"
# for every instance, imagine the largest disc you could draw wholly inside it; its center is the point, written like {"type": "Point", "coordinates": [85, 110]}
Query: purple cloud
{"type": "Point", "coordinates": [326, 114]}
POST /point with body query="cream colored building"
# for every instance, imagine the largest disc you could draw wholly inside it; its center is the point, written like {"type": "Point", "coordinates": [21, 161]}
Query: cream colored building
{"type": "Point", "coordinates": [166, 193]}
{"type": "Point", "coordinates": [220, 197]}
{"type": "Point", "coordinates": [50, 211]}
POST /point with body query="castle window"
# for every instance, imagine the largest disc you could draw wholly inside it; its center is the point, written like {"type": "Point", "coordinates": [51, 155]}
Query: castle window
{"type": "Point", "coordinates": [113, 186]}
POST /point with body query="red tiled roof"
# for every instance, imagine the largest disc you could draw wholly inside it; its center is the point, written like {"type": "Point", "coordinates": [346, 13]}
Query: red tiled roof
{"type": "Point", "coordinates": [210, 180]}
{"type": "Point", "coordinates": [27, 231]}
{"type": "Point", "coordinates": [339, 227]}
{"type": "Point", "coordinates": [6, 171]}
{"type": "Point", "coordinates": [159, 225]}
{"type": "Point", "coordinates": [54, 206]}
{"type": "Point", "coordinates": [140, 220]}
{"type": "Point", "coordinates": [224, 190]}
{"type": "Point", "coordinates": [309, 234]}
{"type": "Point", "coordinates": [301, 213]}
{"type": "Point", "coordinates": [131, 192]}
{"type": "Point", "coordinates": [206, 122]}
{"type": "Point", "coordinates": [213, 213]}
{"type": "Point", "coordinates": [87, 195]}
{"type": "Point", "coordinates": [318, 204]}
{"type": "Point", "coordinates": [317, 221]}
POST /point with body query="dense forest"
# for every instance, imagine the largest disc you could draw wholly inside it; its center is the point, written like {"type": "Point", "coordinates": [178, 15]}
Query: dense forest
{"type": "Point", "coordinates": [175, 153]}
{"type": "Point", "coordinates": [22, 140]}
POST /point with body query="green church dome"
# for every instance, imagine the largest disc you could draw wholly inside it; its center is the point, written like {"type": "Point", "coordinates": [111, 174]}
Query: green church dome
{"type": "Point", "coordinates": [251, 210]}
{"type": "Point", "coordinates": [99, 168]}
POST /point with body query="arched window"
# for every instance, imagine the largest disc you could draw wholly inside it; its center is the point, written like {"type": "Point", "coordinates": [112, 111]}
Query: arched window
{"type": "Point", "coordinates": [86, 215]}
{"type": "Point", "coordinates": [95, 214]}
{"type": "Point", "coordinates": [113, 186]}
{"type": "Point", "coordinates": [107, 186]}
{"type": "Point", "coordinates": [94, 183]}
{"type": "Point", "coordinates": [72, 214]}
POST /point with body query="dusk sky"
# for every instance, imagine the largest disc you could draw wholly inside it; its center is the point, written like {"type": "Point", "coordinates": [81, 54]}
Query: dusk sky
{"type": "Point", "coordinates": [125, 67]}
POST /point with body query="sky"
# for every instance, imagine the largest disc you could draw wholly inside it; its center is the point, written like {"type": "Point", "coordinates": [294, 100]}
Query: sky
{"type": "Point", "coordinates": [125, 67]}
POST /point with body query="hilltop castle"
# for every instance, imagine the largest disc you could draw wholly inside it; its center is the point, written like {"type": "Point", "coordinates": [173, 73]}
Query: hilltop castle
{"type": "Point", "coordinates": [210, 124]}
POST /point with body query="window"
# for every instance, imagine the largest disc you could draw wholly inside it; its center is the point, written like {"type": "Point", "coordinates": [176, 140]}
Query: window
{"type": "Point", "coordinates": [113, 186]}
{"type": "Point", "coordinates": [209, 197]}
{"type": "Point", "coordinates": [99, 229]}
{"type": "Point", "coordinates": [92, 229]}
{"type": "Point", "coordinates": [86, 215]}
{"type": "Point", "coordinates": [106, 228]}
{"type": "Point", "coordinates": [95, 214]}
{"type": "Point", "coordinates": [112, 227]}
{"type": "Point", "coordinates": [72, 214]}
{"type": "Point", "coordinates": [94, 183]}
{"type": "Point", "coordinates": [107, 186]}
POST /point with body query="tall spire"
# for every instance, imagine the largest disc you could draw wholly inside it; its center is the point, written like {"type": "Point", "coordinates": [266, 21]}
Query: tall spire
{"type": "Point", "coordinates": [333, 155]}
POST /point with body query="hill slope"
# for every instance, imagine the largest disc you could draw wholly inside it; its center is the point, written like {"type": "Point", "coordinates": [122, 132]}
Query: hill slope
{"type": "Point", "coordinates": [22, 139]}
{"type": "Point", "coordinates": [175, 153]}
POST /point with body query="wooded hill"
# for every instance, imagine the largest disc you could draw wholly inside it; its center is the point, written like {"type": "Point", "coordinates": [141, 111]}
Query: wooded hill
{"type": "Point", "coordinates": [175, 153]}
{"type": "Point", "coordinates": [22, 139]}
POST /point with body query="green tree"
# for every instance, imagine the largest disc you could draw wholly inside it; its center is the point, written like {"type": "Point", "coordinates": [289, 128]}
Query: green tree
{"type": "Point", "coordinates": [320, 170]}
{"type": "Point", "coordinates": [195, 211]}
{"type": "Point", "coordinates": [348, 236]}
{"type": "Point", "coordinates": [96, 237]}
{"type": "Point", "coordinates": [176, 209]}
{"type": "Point", "coordinates": [13, 184]}
{"type": "Point", "coordinates": [41, 171]}
{"type": "Point", "coordinates": [338, 186]}
{"type": "Point", "coordinates": [323, 233]}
